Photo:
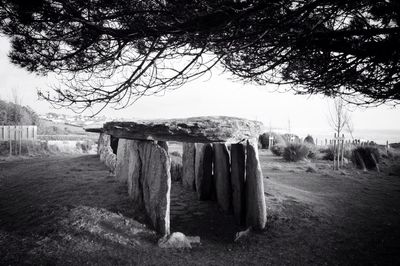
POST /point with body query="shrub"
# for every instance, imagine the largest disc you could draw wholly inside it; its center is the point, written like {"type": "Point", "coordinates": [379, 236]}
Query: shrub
{"type": "Point", "coordinates": [312, 151]}
{"type": "Point", "coordinates": [277, 149]}
{"type": "Point", "coordinates": [395, 145]}
{"type": "Point", "coordinates": [328, 152]}
{"type": "Point", "coordinates": [263, 140]}
{"type": "Point", "coordinates": [295, 152]}
{"type": "Point", "coordinates": [309, 140]}
{"type": "Point", "coordinates": [366, 157]}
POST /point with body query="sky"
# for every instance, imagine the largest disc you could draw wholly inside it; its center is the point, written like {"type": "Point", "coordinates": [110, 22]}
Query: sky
{"type": "Point", "coordinates": [218, 95]}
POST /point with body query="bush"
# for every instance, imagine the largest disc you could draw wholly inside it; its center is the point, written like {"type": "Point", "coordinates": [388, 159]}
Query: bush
{"type": "Point", "coordinates": [309, 140]}
{"type": "Point", "coordinates": [366, 157]}
{"type": "Point", "coordinates": [263, 140]}
{"type": "Point", "coordinates": [328, 152]}
{"type": "Point", "coordinates": [295, 152]}
{"type": "Point", "coordinates": [278, 149]}
{"type": "Point", "coordinates": [312, 151]}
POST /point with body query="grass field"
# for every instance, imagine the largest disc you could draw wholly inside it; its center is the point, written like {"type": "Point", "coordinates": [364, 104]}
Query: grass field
{"type": "Point", "coordinates": [69, 210]}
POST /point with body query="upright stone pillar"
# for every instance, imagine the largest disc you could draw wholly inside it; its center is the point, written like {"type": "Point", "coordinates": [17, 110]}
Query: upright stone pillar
{"type": "Point", "coordinates": [104, 145]}
{"type": "Point", "coordinates": [156, 184]}
{"type": "Point", "coordinates": [238, 182]}
{"type": "Point", "coordinates": [222, 179]}
{"type": "Point", "coordinates": [203, 171]}
{"type": "Point", "coordinates": [188, 165]}
{"type": "Point", "coordinates": [256, 211]}
{"type": "Point", "coordinates": [135, 187]}
{"type": "Point", "coordinates": [122, 167]}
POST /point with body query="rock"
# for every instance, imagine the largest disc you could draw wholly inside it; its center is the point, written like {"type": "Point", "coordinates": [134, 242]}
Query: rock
{"type": "Point", "coordinates": [104, 143]}
{"type": "Point", "coordinates": [195, 129]}
{"type": "Point", "coordinates": [134, 170]}
{"type": "Point", "coordinates": [194, 240]}
{"type": "Point", "coordinates": [175, 240]}
{"type": "Point", "coordinates": [110, 160]}
{"type": "Point", "coordinates": [203, 171]}
{"type": "Point", "coordinates": [256, 211]}
{"type": "Point", "coordinates": [156, 184]}
{"type": "Point", "coordinates": [311, 169]}
{"type": "Point", "coordinates": [188, 164]}
{"type": "Point", "coordinates": [238, 182]}
{"type": "Point", "coordinates": [122, 167]}
{"type": "Point", "coordinates": [222, 178]}
{"type": "Point", "coordinates": [242, 234]}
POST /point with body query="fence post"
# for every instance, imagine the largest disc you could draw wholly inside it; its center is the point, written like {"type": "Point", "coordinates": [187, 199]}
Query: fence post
{"type": "Point", "coordinates": [270, 141]}
{"type": "Point", "coordinates": [20, 140]}
{"type": "Point", "coordinates": [342, 159]}
{"type": "Point", "coordinates": [9, 138]}
{"type": "Point", "coordinates": [387, 147]}
{"type": "Point", "coordinates": [334, 152]}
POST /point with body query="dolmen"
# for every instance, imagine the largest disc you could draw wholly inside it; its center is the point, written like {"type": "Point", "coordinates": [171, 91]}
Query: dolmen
{"type": "Point", "coordinates": [220, 162]}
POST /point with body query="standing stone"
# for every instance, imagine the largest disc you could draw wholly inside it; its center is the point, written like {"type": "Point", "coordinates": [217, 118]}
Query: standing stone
{"type": "Point", "coordinates": [121, 170]}
{"type": "Point", "coordinates": [203, 171]}
{"type": "Point", "coordinates": [238, 182]}
{"type": "Point", "coordinates": [104, 143]}
{"type": "Point", "coordinates": [256, 215]}
{"type": "Point", "coordinates": [222, 177]}
{"type": "Point", "coordinates": [156, 182]}
{"type": "Point", "coordinates": [134, 180]}
{"type": "Point", "coordinates": [110, 160]}
{"type": "Point", "coordinates": [188, 164]}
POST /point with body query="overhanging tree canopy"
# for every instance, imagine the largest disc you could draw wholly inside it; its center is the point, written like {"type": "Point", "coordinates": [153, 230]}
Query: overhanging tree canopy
{"type": "Point", "coordinates": [115, 51]}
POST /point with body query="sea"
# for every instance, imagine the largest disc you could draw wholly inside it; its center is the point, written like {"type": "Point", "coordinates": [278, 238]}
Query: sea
{"type": "Point", "coordinates": [379, 136]}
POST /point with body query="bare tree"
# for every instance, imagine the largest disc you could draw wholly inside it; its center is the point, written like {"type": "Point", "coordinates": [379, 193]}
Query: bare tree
{"type": "Point", "coordinates": [339, 117]}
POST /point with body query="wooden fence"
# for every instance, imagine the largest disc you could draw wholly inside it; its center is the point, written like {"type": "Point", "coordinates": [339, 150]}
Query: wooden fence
{"type": "Point", "coordinates": [8, 133]}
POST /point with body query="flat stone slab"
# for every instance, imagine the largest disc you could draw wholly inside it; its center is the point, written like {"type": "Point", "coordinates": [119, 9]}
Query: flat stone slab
{"type": "Point", "coordinates": [97, 129]}
{"type": "Point", "coordinates": [204, 129]}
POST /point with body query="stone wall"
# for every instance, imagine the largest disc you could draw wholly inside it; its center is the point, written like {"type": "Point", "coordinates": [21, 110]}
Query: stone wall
{"type": "Point", "coordinates": [230, 175]}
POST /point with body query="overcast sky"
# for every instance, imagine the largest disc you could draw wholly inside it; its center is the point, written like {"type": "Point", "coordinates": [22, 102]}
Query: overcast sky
{"type": "Point", "coordinates": [208, 96]}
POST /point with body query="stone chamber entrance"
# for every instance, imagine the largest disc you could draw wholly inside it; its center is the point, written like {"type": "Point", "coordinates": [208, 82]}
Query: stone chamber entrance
{"type": "Point", "coordinates": [192, 216]}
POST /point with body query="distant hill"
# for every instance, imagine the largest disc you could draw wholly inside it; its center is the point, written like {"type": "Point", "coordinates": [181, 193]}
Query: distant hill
{"type": "Point", "coordinates": [47, 127]}
{"type": "Point", "coordinates": [14, 114]}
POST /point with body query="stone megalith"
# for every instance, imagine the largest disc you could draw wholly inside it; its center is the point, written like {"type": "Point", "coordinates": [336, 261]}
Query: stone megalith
{"type": "Point", "coordinates": [104, 143]}
{"type": "Point", "coordinates": [134, 180]}
{"type": "Point", "coordinates": [203, 171]}
{"type": "Point", "coordinates": [121, 170]}
{"type": "Point", "coordinates": [188, 165]}
{"type": "Point", "coordinates": [256, 211]}
{"type": "Point", "coordinates": [156, 184]}
{"type": "Point", "coordinates": [222, 178]}
{"type": "Point", "coordinates": [238, 165]}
